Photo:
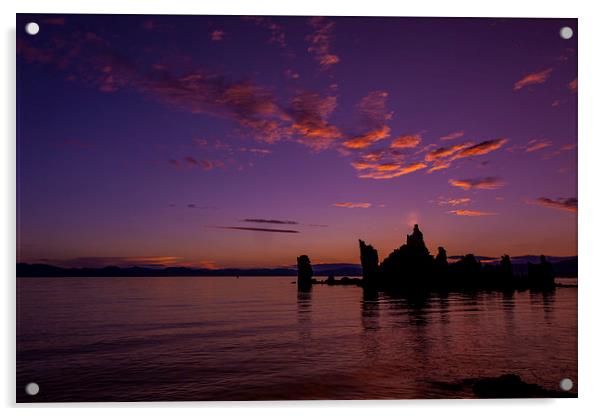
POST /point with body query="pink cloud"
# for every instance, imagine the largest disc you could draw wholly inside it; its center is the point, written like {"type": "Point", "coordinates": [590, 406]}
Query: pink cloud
{"type": "Point", "coordinates": [352, 204]}
{"type": "Point", "coordinates": [369, 138]}
{"type": "Point", "coordinates": [390, 171]}
{"type": "Point", "coordinates": [478, 183]}
{"type": "Point", "coordinates": [471, 213]}
{"type": "Point", "coordinates": [452, 136]}
{"type": "Point", "coordinates": [532, 79]}
{"type": "Point", "coordinates": [407, 141]}
{"type": "Point", "coordinates": [479, 149]}
{"type": "Point", "coordinates": [320, 41]}
{"type": "Point", "coordinates": [454, 201]}
{"type": "Point", "coordinates": [565, 204]}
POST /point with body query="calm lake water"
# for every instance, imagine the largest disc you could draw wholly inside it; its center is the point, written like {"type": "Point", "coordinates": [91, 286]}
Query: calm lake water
{"type": "Point", "coordinates": [256, 338]}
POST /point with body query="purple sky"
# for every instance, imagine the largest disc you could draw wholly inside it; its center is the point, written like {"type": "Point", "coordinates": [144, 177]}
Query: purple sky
{"type": "Point", "coordinates": [247, 141]}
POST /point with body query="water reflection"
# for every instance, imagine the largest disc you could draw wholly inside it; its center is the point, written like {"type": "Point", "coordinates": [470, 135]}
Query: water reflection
{"type": "Point", "coordinates": [370, 310]}
{"type": "Point", "coordinates": [304, 322]}
{"type": "Point", "coordinates": [253, 339]}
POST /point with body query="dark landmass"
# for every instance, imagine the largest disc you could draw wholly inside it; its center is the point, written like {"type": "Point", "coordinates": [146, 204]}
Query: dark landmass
{"type": "Point", "coordinates": [46, 270]}
{"type": "Point", "coordinates": [563, 266]}
{"type": "Point", "coordinates": [507, 386]}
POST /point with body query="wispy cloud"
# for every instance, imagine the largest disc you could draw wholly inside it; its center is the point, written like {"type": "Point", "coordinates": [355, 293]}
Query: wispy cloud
{"type": "Point", "coordinates": [320, 41]}
{"type": "Point", "coordinates": [439, 165]}
{"type": "Point", "coordinates": [264, 230]}
{"type": "Point", "coordinates": [191, 162]}
{"type": "Point", "coordinates": [478, 183]}
{"type": "Point", "coordinates": [270, 221]}
{"type": "Point", "coordinates": [217, 35]}
{"type": "Point", "coordinates": [531, 146]}
{"type": "Point", "coordinates": [532, 79]}
{"type": "Point", "coordinates": [444, 152]}
{"type": "Point", "coordinates": [352, 204]}
{"type": "Point", "coordinates": [391, 170]}
{"type": "Point", "coordinates": [452, 136]}
{"type": "Point", "coordinates": [406, 142]}
{"type": "Point", "coordinates": [565, 204]}
{"type": "Point", "coordinates": [309, 113]}
{"type": "Point", "coordinates": [454, 201]}
{"type": "Point", "coordinates": [479, 149]}
{"type": "Point", "coordinates": [368, 139]}
{"type": "Point", "coordinates": [373, 115]}
{"type": "Point", "coordinates": [195, 206]}
{"type": "Point", "coordinates": [471, 213]}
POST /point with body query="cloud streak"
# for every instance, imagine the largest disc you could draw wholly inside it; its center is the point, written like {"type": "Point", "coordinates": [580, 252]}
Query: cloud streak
{"type": "Point", "coordinates": [489, 182]}
{"type": "Point", "coordinates": [533, 79]}
{"type": "Point", "coordinates": [452, 136]}
{"type": "Point", "coordinates": [471, 213]}
{"type": "Point", "coordinates": [391, 170]}
{"type": "Point", "coordinates": [409, 141]}
{"type": "Point", "coordinates": [263, 230]}
{"type": "Point", "coordinates": [352, 204]}
{"type": "Point", "coordinates": [479, 149]}
{"type": "Point", "coordinates": [270, 221]}
{"type": "Point", "coordinates": [454, 201]}
{"type": "Point", "coordinates": [565, 204]}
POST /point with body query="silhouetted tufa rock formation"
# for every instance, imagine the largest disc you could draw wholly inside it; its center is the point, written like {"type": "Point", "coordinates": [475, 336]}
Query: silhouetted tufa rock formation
{"type": "Point", "coordinates": [369, 260]}
{"type": "Point", "coordinates": [541, 275]}
{"type": "Point", "coordinates": [304, 273]}
{"type": "Point", "coordinates": [412, 267]}
{"type": "Point", "coordinates": [411, 260]}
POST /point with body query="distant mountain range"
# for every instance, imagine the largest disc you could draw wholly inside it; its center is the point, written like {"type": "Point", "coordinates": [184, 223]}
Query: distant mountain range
{"type": "Point", "coordinates": [563, 266]}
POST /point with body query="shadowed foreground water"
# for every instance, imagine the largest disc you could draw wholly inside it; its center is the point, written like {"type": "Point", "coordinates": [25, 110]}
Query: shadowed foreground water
{"type": "Point", "coordinates": [256, 338]}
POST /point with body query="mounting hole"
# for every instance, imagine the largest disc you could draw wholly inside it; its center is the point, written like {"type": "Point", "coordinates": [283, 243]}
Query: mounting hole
{"type": "Point", "coordinates": [566, 33]}
{"type": "Point", "coordinates": [566, 384]}
{"type": "Point", "coordinates": [32, 28]}
{"type": "Point", "coordinates": [32, 389]}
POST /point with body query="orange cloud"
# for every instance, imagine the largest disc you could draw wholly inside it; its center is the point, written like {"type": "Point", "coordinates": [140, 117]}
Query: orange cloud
{"type": "Point", "coordinates": [444, 152]}
{"type": "Point", "coordinates": [532, 79]}
{"type": "Point", "coordinates": [471, 213]}
{"type": "Point", "coordinates": [439, 165]}
{"type": "Point", "coordinates": [368, 139]}
{"type": "Point", "coordinates": [309, 112]}
{"type": "Point", "coordinates": [478, 183]}
{"type": "Point", "coordinates": [565, 204]}
{"type": "Point", "coordinates": [573, 85]}
{"type": "Point", "coordinates": [407, 141]}
{"type": "Point", "coordinates": [482, 148]}
{"type": "Point", "coordinates": [531, 146]}
{"type": "Point", "coordinates": [392, 171]}
{"type": "Point", "coordinates": [536, 144]}
{"type": "Point", "coordinates": [352, 204]}
{"type": "Point", "coordinates": [452, 136]}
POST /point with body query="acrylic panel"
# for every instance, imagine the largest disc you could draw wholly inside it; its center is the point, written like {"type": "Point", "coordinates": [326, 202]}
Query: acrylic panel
{"type": "Point", "coordinates": [295, 208]}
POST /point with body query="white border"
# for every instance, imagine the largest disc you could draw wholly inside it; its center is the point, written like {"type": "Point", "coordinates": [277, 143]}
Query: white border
{"type": "Point", "coordinates": [590, 231]}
